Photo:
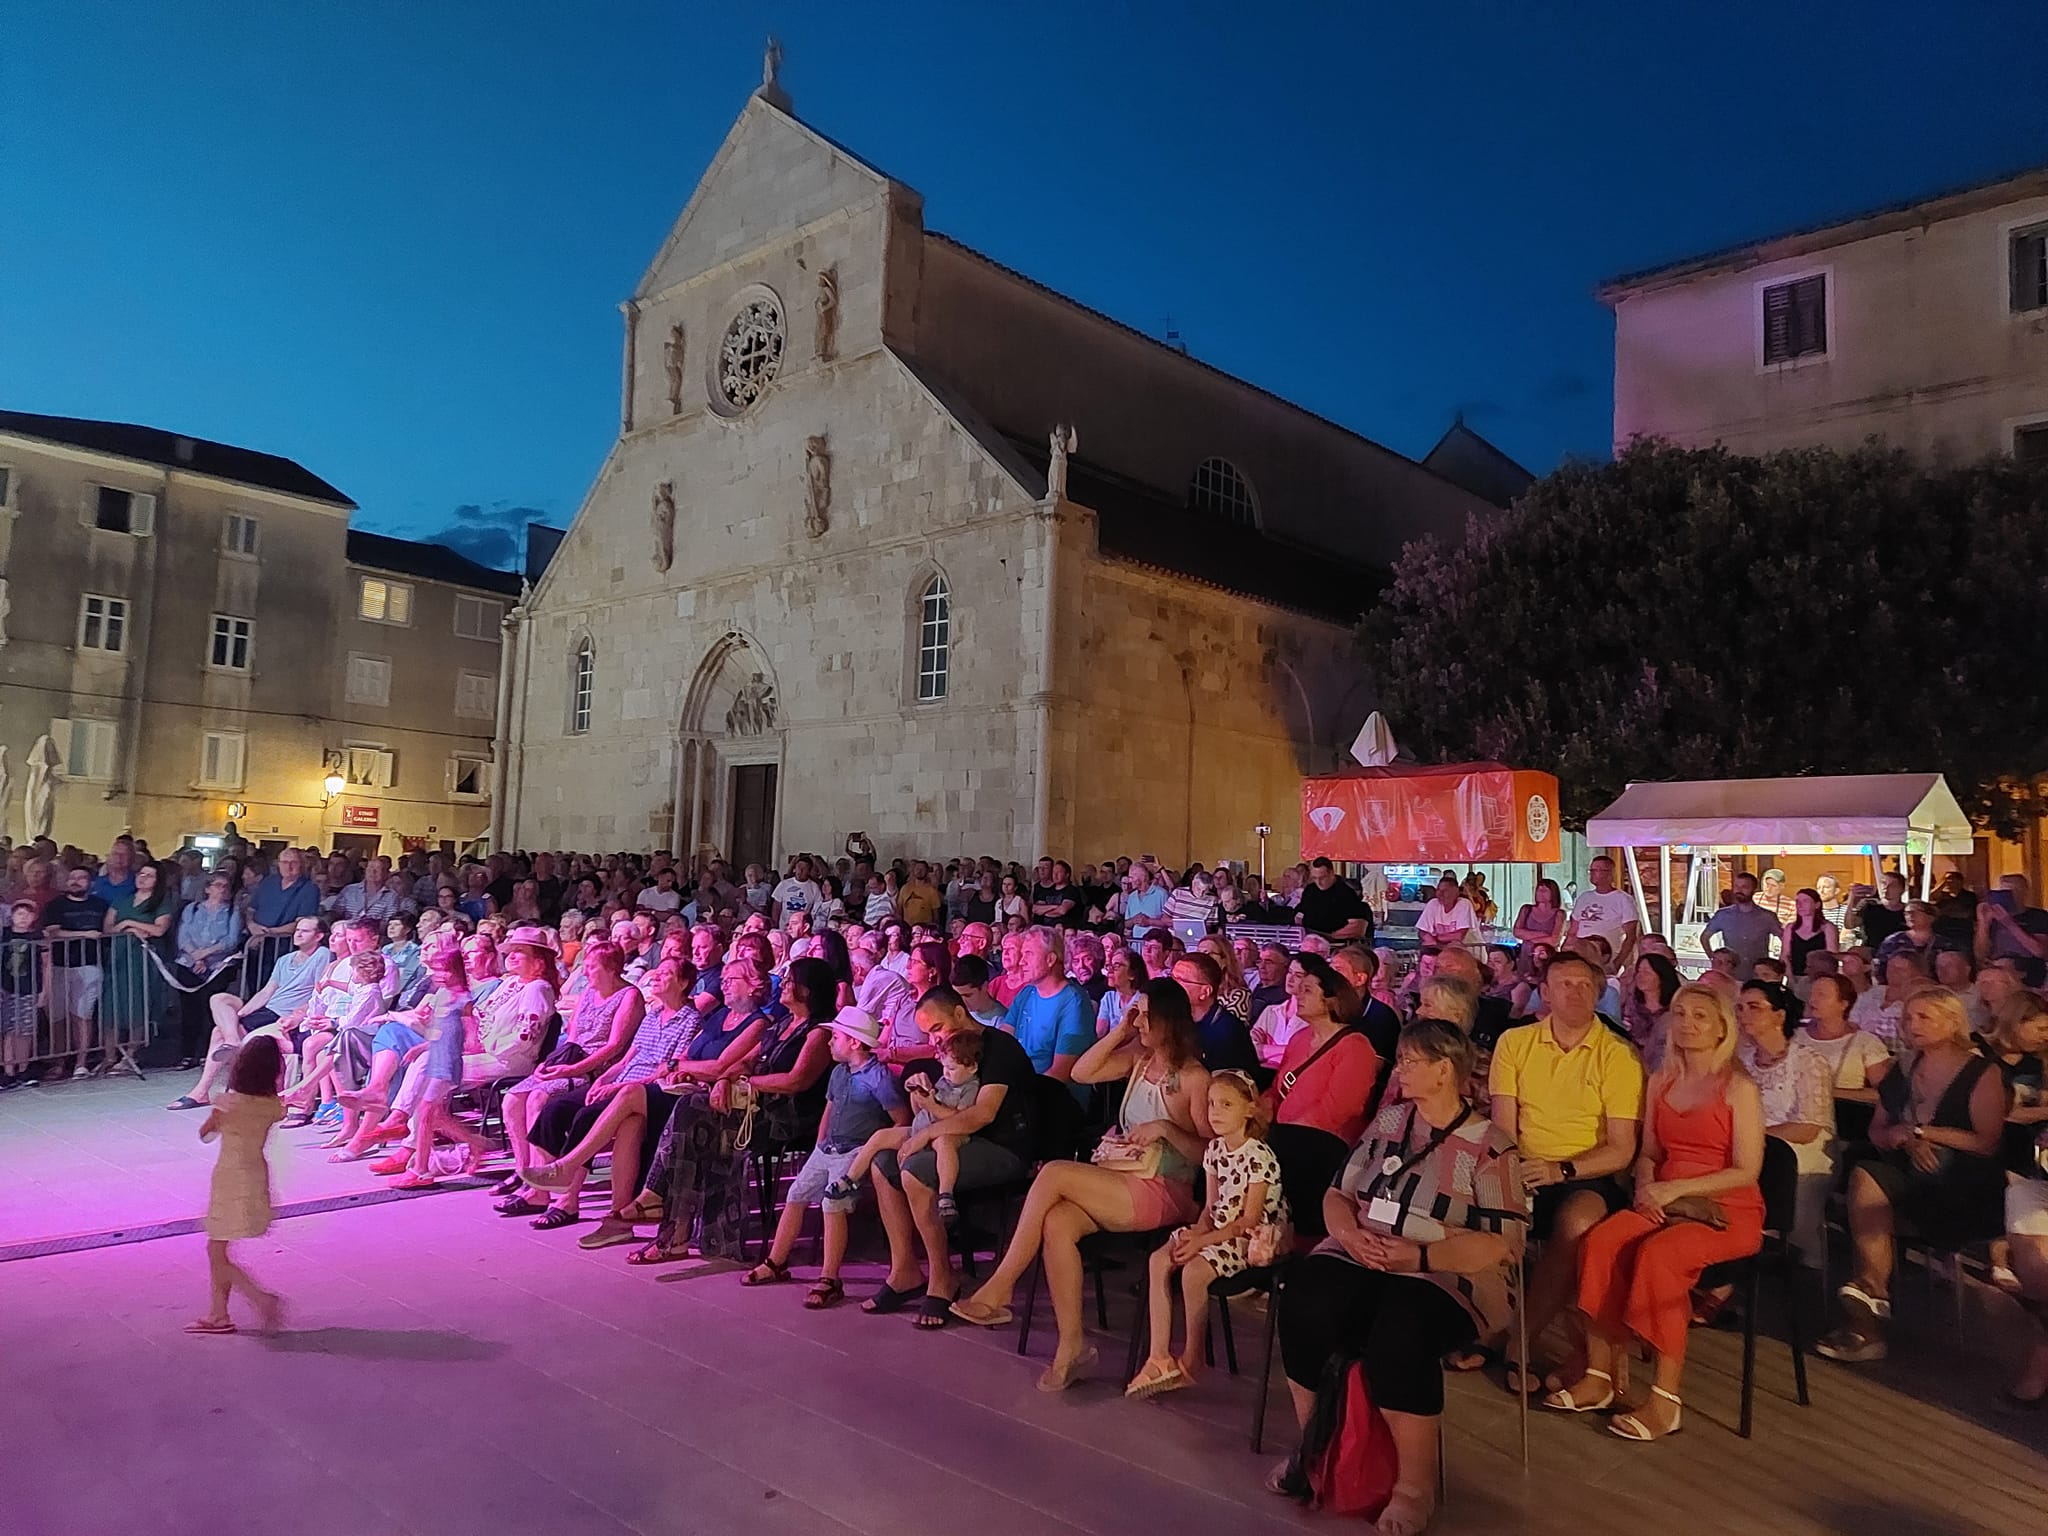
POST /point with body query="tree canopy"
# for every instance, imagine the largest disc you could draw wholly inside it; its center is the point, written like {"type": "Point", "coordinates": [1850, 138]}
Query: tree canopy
{"type": "Point", "coordinates": [1695, 614]}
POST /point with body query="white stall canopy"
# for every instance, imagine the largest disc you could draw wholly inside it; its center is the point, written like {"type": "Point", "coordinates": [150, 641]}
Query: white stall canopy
{"type": "Point", "coordinates": [1852, 813]}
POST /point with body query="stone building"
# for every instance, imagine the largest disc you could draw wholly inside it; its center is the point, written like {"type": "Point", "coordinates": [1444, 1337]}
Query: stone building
{"type": "Point", "coordinates": [1925, 324]}
{"type": "Point", "coordinates": [894, 539]}
{"type": "Point", "coordinates": [186, 631]}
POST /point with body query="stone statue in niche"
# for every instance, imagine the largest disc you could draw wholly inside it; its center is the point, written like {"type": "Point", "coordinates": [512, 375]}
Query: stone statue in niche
{"type": "Point", "coordinates": [39, 803]}
{"type": "Point", "coordinates": [753, 708]}
{"type": "Point", "coordinates": [1065, 440]}
{"type": "Point", "coordinates": [664, 525]}
{"type": "Point", "coordinates": [672, 363]}
{"type": "Point", "coordinates": [817, 487]}
{"type": "Point", "coordinates": [827, 305]}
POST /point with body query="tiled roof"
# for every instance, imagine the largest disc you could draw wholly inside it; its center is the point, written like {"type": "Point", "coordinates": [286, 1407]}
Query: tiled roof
{"type": "Point", "coordinates": [429, 562]}
{"type": "Point", "coordinates": [172, 450]}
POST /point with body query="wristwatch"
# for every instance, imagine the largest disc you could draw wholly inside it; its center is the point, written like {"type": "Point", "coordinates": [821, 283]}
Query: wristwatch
{"type": "Point", "coordinates": [1568, 1170]}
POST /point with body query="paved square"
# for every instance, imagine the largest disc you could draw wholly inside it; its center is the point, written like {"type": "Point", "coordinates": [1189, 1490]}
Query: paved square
{"type": "Point", "coordinates": [447, 1372]}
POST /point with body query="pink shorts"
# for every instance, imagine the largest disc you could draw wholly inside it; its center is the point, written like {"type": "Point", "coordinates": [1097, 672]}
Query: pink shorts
{"type": "Point", "coordinates": [1162, 1202]}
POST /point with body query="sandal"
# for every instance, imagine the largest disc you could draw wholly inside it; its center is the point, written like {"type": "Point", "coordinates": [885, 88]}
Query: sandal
{"type": "Point", "coordinates": [609, 1233]}
{"type": "Point", "coordinates": [1564, 1402]}
{"type": "Point", "coordinates": [211, 1325]}
{"type": "Point", "coordinates": [1157, 1377]}
{"type": "Point", "coordinates": [1057, 1377]}
{"type": "Point", "coordinates": [981, 1314]}
{"type": "Point", "coordinates": [767, 1272]}
{"type": "Point", "coordinates": [933, 1313]}
{"type": "Point", "coordinates": [519, 1205]}
{"type": "Point", "coordinates": [888, 1299]}
{"type": "Point", "coordinates": [841, 1189]}
{"type": "Point", "coordinates": [1288, 1480]}
{"type": "Point", "coordinates": [645, 1208]}
{"type": "Point", "coordinates": [509, 1185]}
{"type": "Point", "coordinates": [415, 1181]}
{"type": "Point", "coordinates": [828, 1292]}
{"type": "Point", "coordinates": [1628, 1426]}
{"type": "Point", "coordinates": [554, 1220]}
{"type": "Point", "coordinates": [949, 1209]}
{"type": "Point", "coordinates": [654, 1253]}
{"type": "Point", "coordinates": [187, 1102]}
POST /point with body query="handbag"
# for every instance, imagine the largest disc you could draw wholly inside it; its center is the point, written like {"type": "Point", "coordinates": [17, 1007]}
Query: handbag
{"type": "Point", "coordinates": [1700, 1208]}
{"type": "Point", "coordinates": [1118, 1153]}
{"type": "Point", "coordinates": [740, 1099]}
{"type": "Point", "coordinates": [1269, 1243]}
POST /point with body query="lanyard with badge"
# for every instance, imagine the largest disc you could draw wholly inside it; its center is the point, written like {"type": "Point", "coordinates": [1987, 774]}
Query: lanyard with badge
{"type": "Point", "coordinates": [1383, 1210]}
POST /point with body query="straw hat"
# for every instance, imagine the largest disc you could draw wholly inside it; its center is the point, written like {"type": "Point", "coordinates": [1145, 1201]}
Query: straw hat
{"type": "Point", "coordinates": [533, 936]}
{"type": "Point", "coordinates": [858, 1024]}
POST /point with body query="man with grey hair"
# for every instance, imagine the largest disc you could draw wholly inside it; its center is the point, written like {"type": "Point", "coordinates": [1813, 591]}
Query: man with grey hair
{"type": "Point", "coordinates": [1051, 1017]}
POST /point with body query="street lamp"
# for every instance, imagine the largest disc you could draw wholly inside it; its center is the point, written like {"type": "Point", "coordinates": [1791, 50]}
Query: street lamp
{"type": "Point", "coordinates": [334, 784]}
{"type": "Point", "coordinates": [1263, 832]}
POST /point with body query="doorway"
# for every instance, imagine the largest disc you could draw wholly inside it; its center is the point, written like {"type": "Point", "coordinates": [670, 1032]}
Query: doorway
{"type": "Point", "coordinates": [357, 845]}
{"type": "Point", "coordinates": [752, 799]}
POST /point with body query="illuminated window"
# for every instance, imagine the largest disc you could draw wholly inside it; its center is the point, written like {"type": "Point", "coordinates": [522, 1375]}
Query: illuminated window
{"type": "Point", "coordinates": [1221, 491]}
{"type": "Point", "coordinates": [385, 602]}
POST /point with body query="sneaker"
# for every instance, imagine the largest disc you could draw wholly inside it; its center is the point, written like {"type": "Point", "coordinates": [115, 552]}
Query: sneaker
{"type": "Point", "coordinates": [1858, 1300]}
{"type": "Point", "coordinates": [329, 1114]}
{"type": "Point", "coordinates": [949, 1208]}
{"type": "Point", "coordinates": [1851, 1347]}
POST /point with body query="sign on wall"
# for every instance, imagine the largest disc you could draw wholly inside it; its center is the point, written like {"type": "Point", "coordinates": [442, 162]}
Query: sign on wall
{"type": "Point", "coordinates": [360, 815]}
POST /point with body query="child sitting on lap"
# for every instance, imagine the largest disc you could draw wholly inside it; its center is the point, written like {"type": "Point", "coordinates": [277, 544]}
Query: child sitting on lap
{"type": "Point", "coordinates": [861, 1098]}
{"type": "Point", "coordinates": [960, 1055]}
{"type": "Point", "coordinates": [1243, 1178]}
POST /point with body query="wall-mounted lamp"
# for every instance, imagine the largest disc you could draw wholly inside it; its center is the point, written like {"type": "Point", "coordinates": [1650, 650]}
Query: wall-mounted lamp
{"type": "Point", "coordinates": [334, 784]}
{"type": "Point", "coordinates": [1263, 831]}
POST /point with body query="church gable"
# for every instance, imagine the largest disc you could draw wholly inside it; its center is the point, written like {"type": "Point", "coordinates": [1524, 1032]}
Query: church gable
{"type": "Point", "coordinates": [771, 177]}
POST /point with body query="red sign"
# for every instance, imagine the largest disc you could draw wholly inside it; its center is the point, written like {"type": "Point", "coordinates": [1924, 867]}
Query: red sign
{"type": "Point", "coordinates": [359, 815]}
{"type": "Point", "coordinates": [1479, 813]}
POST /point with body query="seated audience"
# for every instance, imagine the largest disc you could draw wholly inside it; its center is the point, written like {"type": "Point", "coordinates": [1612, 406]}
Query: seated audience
{"type": "Point", "coordinates": [1224, 1042]}
{"type": "Point", "coordinates": [1932, 1169]}
{"type": "Point", "coordinates": [1796, 1084]}
{"type": "Point", "coordinates": [1426, 1222]}
{"type": "Point", "coordinates": [1142, 1178]}
{"type": "Point", "coordinates": [1696, 1203]}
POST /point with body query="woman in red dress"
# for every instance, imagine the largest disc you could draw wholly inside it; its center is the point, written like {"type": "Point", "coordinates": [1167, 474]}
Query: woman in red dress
{"type": "Point", "coordinates": [1697, 1203]}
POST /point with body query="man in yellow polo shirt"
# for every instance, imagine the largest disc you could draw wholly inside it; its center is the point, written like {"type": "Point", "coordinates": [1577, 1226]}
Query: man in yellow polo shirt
{"type": "Point", "coordinates": [1570, 1092]}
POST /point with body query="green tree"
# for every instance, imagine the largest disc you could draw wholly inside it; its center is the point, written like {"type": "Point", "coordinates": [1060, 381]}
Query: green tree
{"type": "Point", "coordinates": [1692, 613]}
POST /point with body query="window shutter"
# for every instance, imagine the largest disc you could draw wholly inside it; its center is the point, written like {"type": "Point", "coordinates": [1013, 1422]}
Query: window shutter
{"type": "Point", "coordinates": [1777, 324]}
{"type": "Point", "coordinates": [89, 507]}
{"type": "Point", "coordinates": [2029, 270]}
{"type": "Point", "coordinates": [387, 770]}
{"type": "Point", "coordinates": [142, 514]}
{"type": "Point", "coordinates": [1810, 315]}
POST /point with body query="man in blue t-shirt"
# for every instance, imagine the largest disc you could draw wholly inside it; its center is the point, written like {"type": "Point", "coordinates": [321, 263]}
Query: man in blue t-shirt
{"type": "Point", "coordinates": [1051, 1017]}
{"type": "Point", "coordinates": [1144, 905]}
{"type": "Point", "coordinates": [115, 882]}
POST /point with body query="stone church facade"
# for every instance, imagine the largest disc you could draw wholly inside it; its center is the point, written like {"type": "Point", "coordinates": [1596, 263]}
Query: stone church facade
{"type": "Point", "coordinates": [894, 540]}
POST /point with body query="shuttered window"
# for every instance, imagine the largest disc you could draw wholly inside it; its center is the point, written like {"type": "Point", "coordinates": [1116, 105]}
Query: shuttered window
{"type": "Point", "coordinates": [2030, 443]}
{"type": "Point", "coordinates": [2030, 269]}
{"type": "Point", "coordinates": [1796, 319]}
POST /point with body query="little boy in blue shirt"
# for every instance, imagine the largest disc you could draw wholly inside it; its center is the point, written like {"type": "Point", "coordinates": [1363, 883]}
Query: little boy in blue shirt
{"type": "Point", "coordinates": [861, 1097]}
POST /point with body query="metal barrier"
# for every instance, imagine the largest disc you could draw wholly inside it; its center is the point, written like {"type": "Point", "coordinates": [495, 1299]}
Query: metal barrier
{"type": "Point", "coordinates": [92, 1004]}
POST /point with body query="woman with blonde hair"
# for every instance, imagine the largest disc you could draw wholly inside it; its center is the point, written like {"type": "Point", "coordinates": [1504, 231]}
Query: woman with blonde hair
{"type": "Point", "coordinates": [1697, 1203]}
{"type": "Point", "coordinates": [1938, 1127]}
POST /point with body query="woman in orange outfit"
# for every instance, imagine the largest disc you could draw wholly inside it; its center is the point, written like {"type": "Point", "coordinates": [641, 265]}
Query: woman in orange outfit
{"type": "Point", "coordinates": [1697, 1203]}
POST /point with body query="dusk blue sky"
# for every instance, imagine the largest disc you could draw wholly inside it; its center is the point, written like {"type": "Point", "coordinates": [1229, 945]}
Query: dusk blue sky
{"type": "Point", "coordinates": [389, 240]}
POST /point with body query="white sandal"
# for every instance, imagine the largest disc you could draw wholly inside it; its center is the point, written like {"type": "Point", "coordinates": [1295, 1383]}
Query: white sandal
{"type": "Point", "coordinates": [1628, 1427]}
{"type": "Point", "coordinates": [1563, 1401]}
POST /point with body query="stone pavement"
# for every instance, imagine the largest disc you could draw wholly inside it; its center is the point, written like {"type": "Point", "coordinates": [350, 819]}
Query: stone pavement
{"type": "Point", "coordinates": [446, 1372]}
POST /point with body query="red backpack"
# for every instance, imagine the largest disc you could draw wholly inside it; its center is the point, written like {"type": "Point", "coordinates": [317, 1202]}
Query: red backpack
{"type": "Point", "coordinates": [1347, 1451]}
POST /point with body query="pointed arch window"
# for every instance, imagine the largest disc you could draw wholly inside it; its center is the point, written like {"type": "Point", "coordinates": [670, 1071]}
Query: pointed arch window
{"type": "Point", "coordinates": [934, 640]}
{"type": "Point", "coordinates": [582, 688]}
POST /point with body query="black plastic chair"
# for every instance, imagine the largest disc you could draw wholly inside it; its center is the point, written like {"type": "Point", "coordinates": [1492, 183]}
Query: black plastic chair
{"type": "Point", "coordinates": [1779, 1182]}
{"type": "Point", "coordinates": [1267, 1282]}
{"type": "Point", "coordinates": [488, 1099]}
{"type": "Point", "coordinates": [988, 1214]}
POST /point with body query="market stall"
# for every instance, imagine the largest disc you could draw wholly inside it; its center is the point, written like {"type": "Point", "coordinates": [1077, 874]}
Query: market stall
{"type": "Point", "coordinates": [1457, 816]}
{"type": "Point", "coordinates": [1856, 816]}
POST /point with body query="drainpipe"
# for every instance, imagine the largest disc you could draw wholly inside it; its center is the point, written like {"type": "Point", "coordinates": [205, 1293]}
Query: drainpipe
{"type": "Point", "coordinates": [501, 745]}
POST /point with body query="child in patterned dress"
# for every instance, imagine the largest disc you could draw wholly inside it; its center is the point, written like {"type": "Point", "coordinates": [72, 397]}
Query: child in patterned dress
{"type": "Point", "coordinates": [1243, 1180]}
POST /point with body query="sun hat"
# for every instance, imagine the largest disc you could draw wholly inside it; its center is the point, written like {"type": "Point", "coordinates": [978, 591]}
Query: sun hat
{"type": "Point", "coordinates": [533, 936]}
{"type": "Point", "coordinates": [858, 1024]}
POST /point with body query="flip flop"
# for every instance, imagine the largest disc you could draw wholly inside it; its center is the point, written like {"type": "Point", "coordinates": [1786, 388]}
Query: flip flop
{"type": "Point", "coordinates": [651, 1253]}
{"type": "Point", "coordinates": [208, 1325]}
{"type": "Point", "coordinates": [888, 1299]}
{"type": "Point", "coordinates": [970, 1311]}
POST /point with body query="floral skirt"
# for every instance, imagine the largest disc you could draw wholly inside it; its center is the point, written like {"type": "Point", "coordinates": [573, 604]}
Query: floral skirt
{"type": "Point", "coordinates": [700, 1175]}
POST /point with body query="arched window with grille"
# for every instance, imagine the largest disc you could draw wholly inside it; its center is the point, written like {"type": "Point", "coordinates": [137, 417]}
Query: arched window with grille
{"type": "Point", "coordinates": [934, 640]}
{"type": "Point", "coordinates": [1219, 489]}
{"type": "Point", "coordinates": [582, 687]}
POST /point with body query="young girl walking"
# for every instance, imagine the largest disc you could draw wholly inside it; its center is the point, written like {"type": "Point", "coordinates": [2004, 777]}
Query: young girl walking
{"type": "Point", "coordinates": [239, 1205]}
{"type": "Point", "coordinates": [1243, 1178]}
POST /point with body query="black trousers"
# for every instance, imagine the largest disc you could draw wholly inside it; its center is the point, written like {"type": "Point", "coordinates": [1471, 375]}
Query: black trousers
{"type": "Point", "coordinates": [1401, 1326]}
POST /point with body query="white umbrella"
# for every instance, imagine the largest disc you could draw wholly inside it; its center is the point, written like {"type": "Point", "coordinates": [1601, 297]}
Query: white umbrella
{"type": "Point", "coordinates": [1374, 747]}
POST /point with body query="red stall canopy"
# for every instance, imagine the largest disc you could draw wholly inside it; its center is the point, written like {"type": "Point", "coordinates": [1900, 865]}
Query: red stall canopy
{"type": "Point", "coordinates": [1474, 813]}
